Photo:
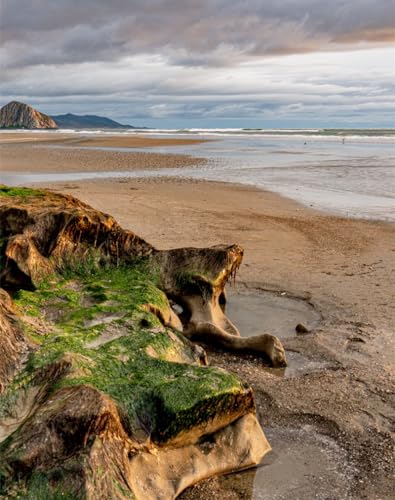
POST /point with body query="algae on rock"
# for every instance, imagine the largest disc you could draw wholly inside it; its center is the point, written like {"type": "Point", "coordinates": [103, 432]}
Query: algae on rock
{"type": "Point", "coordinates": [96, 376]}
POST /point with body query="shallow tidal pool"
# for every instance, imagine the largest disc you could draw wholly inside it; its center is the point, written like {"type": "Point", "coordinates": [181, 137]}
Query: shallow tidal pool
{"type": "Point", "coordinates": [259, 312]}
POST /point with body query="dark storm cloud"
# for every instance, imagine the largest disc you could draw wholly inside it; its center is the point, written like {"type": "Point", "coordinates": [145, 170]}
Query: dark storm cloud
{"type": "Point", "coordinates": [186, 32]}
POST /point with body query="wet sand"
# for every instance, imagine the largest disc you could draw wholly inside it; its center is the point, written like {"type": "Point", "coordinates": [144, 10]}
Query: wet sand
{"type": "Point", "coordinates": [92, 140]}
{"type": "Point", "coordinates": [340, 386]}
{"type": "Point", "coordinates": [37, 152]}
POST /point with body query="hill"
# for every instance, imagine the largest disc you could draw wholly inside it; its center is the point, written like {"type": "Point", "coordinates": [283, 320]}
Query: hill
{"type": "Point", "coordinates": [70, 120]}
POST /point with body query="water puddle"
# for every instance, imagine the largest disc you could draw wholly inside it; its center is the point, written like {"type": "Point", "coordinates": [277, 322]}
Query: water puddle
{"type": "Point", "coordinates": [258, 312]}
{"type": "Point", "coordinates": [298, 365]}
{"type": "Point", "coordinates": [303, 464]}
{"type": "Point", "coordinates": [269, 312]}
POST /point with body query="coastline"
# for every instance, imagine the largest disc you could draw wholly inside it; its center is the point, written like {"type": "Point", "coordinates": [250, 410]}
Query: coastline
{"type": "Point", "coordinates": [342, 267]}
{"type": "Point", "coordinates": [351, 181]}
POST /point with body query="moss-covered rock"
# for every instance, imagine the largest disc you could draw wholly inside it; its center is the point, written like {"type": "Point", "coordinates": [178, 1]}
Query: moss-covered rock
{"type": "Point", "coordinates": [19, 192]}
{"type": "Point", "coordinates": [108, 373]}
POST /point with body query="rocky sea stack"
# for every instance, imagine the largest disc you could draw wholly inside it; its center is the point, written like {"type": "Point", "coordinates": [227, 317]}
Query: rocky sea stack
{"type": "Point", "coordinates": [102, 392]}
{"type": "Point", "coordinates": [19, 115]}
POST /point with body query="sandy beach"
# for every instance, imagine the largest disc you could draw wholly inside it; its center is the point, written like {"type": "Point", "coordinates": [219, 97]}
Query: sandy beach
{"type": "Point", "coordinates": [94, 140]}
{"type": "Point", "coordinates": [27, 152]}
{"type": "Point", "coordinates": [342, 389]}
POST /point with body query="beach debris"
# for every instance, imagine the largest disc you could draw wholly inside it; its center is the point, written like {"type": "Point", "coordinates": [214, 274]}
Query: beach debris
{"type": "Point", "coordinates": [301, 328]}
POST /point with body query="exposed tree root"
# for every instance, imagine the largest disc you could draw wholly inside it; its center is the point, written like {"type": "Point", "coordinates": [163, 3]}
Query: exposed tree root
{"type": "Point", "coordinates": [140, 416]}
{"type": "Point", "coordinates": [265, 344]}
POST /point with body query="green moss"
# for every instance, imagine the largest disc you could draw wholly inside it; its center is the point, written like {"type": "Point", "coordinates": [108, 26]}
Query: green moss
{"type": "Point", "coordinates": [122, 490]}
{"type": "Point", "coordinates": [7, 401]}
{"type": "Point", "coordinates": [19, 191]}
{"type": "Point", "coordinates": [158, 396]}
{"type": "Point", "coordinates": [39, 488]}
{"type": "Point", "coordinates": [165, 398]}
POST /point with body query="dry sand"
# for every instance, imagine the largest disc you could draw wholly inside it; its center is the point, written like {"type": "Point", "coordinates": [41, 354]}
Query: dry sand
{"type": "Point", "coordinates": [344, 268]}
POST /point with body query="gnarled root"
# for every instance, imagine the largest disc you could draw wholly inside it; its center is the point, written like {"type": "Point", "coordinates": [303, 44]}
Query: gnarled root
{"type": "Point", "coordinates": [166, 316]}
{"type": "Point", "coordinates": [195, 280]}
{"type": "Point", "coordinates": [266, 344]}
{"type": "Point", "coordinates": [209, 311]}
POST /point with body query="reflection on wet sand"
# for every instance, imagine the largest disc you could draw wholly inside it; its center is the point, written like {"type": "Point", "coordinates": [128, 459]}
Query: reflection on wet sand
{"type": "Point", "coordinates": [303, 464]}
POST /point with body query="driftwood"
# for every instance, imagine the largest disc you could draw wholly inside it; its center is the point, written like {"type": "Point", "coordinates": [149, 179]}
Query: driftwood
{"type": "Point", "coordinates": [265, 344]}
{"type": "Point", "coordinates": [201, 299]}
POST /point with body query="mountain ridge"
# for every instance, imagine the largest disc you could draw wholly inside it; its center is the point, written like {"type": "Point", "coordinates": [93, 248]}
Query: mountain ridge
{"type": "Point", "coordinates": [70, 120]}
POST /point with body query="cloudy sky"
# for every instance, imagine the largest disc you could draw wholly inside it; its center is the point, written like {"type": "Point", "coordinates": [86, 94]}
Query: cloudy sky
{"type": "Point", "coordinates": [219, 63]}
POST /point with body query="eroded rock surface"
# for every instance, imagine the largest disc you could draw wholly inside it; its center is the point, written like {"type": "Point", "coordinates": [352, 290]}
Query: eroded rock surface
{"type": "Point", "coordinates": [113, 399]}
{"type": "Point", "coordinates": [19, 115]}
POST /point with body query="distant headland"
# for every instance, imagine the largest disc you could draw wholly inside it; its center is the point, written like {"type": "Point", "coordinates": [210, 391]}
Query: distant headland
{"type": "Point", "coordinates": [18, 115]}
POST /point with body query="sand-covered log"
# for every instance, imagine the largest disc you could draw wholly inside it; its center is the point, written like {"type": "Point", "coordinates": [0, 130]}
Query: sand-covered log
{"type": "Point", "coordinates": [102, 395]}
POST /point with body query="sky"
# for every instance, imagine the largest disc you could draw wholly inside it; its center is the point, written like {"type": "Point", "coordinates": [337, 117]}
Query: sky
{"type": "Point", "coordinates": [203, 63]}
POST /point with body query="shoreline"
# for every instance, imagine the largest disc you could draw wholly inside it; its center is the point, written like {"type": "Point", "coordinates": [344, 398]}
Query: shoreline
{"type": "Point", "coordinates": [67, 156]}
{"type": "Point", "coordinates": [25, 157]}
{"type": "Point", "coordinates": [155, 162]}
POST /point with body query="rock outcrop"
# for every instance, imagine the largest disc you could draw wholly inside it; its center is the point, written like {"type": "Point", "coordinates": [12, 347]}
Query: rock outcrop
{"type": "Point", "coordinates": [102, 394]}
{"type": "Point", "coordinates": [19, 115]}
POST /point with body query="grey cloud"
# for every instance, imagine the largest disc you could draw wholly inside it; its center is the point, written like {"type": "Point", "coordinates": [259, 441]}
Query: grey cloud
{"type": "Point", "coordinates": [158, 60]}
{"type": "Point", "coordinates": [154, 89]}
{"type": "Point", "coordinates": [187, 32]}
